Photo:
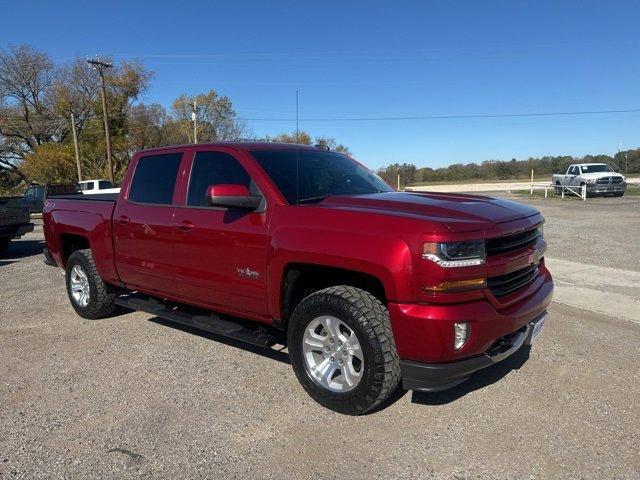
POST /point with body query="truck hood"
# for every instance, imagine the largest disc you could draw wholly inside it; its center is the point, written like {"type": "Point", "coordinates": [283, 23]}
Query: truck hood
{"type": "Point", "coordinates": [601, 175]}
{"type": "Point", "coordinates": [457, 212]}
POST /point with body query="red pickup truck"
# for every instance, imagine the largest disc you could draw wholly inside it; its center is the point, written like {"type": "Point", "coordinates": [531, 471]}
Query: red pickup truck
{"type": "Point", "coordinates": [273, 243]}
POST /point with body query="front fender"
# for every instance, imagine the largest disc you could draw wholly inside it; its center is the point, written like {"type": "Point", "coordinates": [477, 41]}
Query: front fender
{"type": "Point", "coordinates": [386, 258]}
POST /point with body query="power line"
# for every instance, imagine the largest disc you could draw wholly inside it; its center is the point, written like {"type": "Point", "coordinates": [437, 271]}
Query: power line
{"type": "Point", "coordinates": [376, 119]}
{"type": "Point", "coordinates": [446, 117]}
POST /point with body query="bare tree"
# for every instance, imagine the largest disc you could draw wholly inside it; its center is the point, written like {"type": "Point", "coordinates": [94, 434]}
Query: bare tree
{"type": "Point", "coordinates": [27, 107]}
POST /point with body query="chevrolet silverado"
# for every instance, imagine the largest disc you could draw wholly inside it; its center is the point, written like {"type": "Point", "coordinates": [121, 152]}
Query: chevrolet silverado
{"type": "Point", "coordinates": [273, 243]}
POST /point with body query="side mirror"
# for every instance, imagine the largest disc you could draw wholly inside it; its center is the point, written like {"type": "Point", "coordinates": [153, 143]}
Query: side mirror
{"type": "Point", "coordinates": [232, 196]}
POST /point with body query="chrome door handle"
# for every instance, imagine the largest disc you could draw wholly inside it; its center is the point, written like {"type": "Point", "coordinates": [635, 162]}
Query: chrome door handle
{"type": "Point", "coordinates": [123, 220]}
{"type": "Point", "coordinates": [186, 225]}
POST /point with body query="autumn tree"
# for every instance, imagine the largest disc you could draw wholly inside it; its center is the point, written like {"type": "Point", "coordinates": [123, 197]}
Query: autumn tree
{"type": "Point", "coordinates": [217, 121]}
{"type": "Point", "coordinates": [406, 171]}
{"type": "Point", "coordinates": [303, 138]}
{"type": "Point", "coordinates": [300, 137]}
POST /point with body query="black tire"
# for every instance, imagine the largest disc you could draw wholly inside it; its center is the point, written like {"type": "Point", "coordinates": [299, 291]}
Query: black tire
{"type": "Point", "coordinates": [618, 194]}
{"type": "Point", "coordinates": [558, 189]}
{"type": "Point", "coordinates": [101, 295]}
{"type": "Point", "coordinates": [368, 318]}
{"type": "Point", "coordinates": [4, 244]}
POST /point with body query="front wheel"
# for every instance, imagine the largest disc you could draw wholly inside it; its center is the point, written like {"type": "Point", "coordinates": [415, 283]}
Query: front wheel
{"type": "Point", "coordinates": [4, 244]}
{"type": "Point", "coordinates": [342, 349]}
{"type": "Point", "coordinates": [90, 296]}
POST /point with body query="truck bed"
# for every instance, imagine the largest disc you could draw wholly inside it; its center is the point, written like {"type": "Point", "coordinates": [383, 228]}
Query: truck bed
{"type": "Point", "coordinates": [87, 217]}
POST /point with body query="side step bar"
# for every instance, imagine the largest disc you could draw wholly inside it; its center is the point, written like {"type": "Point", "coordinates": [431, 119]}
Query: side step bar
{"type": "Point", "coordinates": [208, 321]}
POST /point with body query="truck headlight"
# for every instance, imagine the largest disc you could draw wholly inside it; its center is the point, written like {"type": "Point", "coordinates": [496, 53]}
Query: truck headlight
{"type": "Point", "coordinates": [455, 254]}
{"type": "Point", "coordinates": [540, 230]}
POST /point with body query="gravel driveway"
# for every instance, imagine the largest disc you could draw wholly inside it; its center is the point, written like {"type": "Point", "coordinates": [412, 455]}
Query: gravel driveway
{"type": "Point", "coordinates": [135, 396]}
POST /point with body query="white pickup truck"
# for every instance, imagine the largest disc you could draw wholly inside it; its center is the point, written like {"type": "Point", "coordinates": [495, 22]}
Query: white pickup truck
{"type": "Point", "coordinates": [599, 178]}
{"type": "Point", "coordinates": [91, 187]}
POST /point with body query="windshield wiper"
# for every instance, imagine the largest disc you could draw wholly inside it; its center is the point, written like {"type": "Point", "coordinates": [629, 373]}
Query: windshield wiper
{"type": "Point", "coordinates": [313, 199]}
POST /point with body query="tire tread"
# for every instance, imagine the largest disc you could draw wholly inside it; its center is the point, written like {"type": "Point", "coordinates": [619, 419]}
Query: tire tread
{"type": "Point", "coordinates": [373, 318]}
{"type": "Point", "coordinates": [103, 303]}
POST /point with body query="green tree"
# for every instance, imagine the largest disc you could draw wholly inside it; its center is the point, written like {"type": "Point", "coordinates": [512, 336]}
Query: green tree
{"type": "Point", "coordinates": [217, 121]}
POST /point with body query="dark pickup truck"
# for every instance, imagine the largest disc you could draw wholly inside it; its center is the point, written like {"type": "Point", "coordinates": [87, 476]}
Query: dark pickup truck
{"type": "Point", "coordinates": [273, 243]}
{"type": "Point", "coordinates": [14, 220]}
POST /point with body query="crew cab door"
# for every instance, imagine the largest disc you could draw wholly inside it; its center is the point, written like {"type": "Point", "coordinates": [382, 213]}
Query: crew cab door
{"type": "Point", "coordinates": [143, 224]}
{"type": "Point", "coordinates": [574, 176]}
{"type": "Point", "coordinates": [221, 253]}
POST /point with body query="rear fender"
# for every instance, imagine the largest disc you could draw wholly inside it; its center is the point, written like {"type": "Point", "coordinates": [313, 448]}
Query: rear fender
{"type": "Point", "coordinates": [91, 226]}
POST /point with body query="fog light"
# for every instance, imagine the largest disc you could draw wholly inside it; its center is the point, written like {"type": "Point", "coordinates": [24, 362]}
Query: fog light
{"type": "Point", "coordinates": [461, 334]}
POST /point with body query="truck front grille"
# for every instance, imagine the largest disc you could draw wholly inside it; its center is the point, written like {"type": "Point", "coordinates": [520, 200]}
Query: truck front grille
{"type": "Point", "coordinates": [608, 180]}
{"type": "Point", "coordinates": [496, 246]}
{"type": "Point", "coordinates": [509, 283]}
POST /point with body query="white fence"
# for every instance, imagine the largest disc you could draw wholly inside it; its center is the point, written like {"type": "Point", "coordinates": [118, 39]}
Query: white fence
{"type": "Point", "coordinates": [578, 190]}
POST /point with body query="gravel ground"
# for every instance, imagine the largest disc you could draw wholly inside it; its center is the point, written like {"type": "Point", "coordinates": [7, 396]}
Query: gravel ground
{"type": "Point", "coordinates": [602, 231]}
{"type": "Point", "coordinates": [134, 396]}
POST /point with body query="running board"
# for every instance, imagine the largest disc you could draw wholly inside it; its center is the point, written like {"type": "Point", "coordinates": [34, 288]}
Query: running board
{"type": "Point", "coordinates": [208, 321]}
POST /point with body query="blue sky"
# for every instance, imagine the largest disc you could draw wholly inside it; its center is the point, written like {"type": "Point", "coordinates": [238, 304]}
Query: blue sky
{"type": "Point", "coordinates": [377, 59]}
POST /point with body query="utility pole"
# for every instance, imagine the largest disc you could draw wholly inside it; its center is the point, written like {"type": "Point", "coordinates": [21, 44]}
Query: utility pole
{"type": "Point", "coordinates": [101, 66]}
{"type": "Point", "coordinates": [75, 144]}
{"type": "Point", "coordinates": [626, 164]}
{"type": "Point", "coordinates": [194, 119]}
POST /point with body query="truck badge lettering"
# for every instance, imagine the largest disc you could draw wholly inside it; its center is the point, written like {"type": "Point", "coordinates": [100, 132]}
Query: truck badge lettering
{"type": "Point", "coordinates": [248, 273]}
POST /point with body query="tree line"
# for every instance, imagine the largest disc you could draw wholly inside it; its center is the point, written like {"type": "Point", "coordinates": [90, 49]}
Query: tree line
{"type": "Point", "coordinates": [627, 161]}
{"type": "Point", "coordinates": [38, 98]}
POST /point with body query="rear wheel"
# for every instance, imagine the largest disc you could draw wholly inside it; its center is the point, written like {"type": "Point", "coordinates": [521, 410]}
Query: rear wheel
{"type": "Point", "coordinates": [342, 349]}
{"type": "Point", "coordinates": [90, 296]}
{"type": "Point", "coordinates": [4, 244]}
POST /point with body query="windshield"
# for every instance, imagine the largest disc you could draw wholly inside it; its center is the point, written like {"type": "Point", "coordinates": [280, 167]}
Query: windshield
{"type": "Point", "coordinates": [321, 174]}
{"type": "Point", "coordinates": [601, 167]}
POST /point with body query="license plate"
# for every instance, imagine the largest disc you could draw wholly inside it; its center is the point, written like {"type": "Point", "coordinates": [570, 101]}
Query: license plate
{"type": "Point", "coordinates": [537, 328]}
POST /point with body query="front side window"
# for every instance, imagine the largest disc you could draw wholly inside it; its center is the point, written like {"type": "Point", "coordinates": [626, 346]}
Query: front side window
{"type": "Point", "coordinates": [155, 178]}
{"type": "Point", "coordinates": [215, 168]}
{"type": "Point", "coordinates": [311, 175]}
{"type": "Point", "coordinates": [87, 186]}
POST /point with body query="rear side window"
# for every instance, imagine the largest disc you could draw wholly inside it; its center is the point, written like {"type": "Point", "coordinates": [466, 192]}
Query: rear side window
{"type": "Point", "coordinates": [155, 178]}
{"type": "Point", "coordinates": [104, 184]}
{"type": "Point", "coordinates": [214, 168]}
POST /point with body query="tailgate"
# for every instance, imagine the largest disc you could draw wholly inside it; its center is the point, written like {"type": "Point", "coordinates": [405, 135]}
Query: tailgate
{"type": "Point", "coordinates": [13, 211]}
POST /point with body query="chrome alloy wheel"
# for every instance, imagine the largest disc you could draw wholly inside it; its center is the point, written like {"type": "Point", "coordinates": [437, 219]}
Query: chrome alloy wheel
{"type": "Point", "coordinates": [332, 354]}
{"type": "Point", "coordinates": [79, 286]}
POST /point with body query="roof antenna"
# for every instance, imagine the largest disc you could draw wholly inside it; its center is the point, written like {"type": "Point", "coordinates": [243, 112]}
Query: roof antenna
{"type": "Point", "coordinates": [297, 154]}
